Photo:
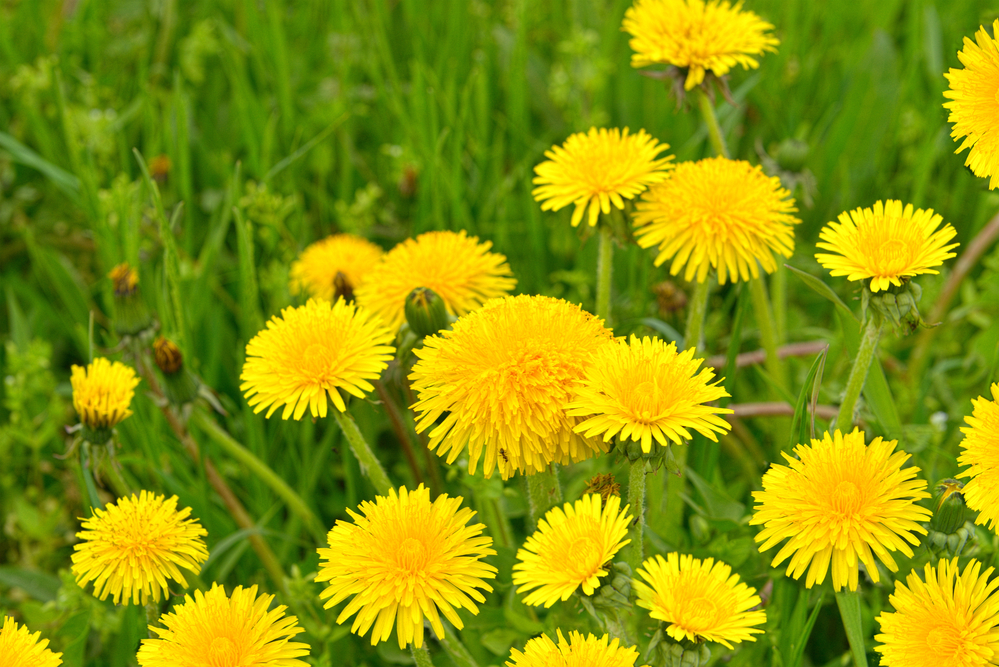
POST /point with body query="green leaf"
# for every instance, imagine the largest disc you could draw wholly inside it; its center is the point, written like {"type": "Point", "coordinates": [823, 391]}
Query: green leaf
{"type": "Point", "coordinates": [668, 332]}
{"type": "Point", "coordinates": [799, 425]}
{"type": "Point", "coordinates": [822, 290]}
{"type": "Point", "coordinates": [849, 609]}
{"type": "Point", "coordinates": [798, 648]}
{"type": "Point", "coordinates": [76, 629]}
{"type": "Point", "coordinates": [731, 357]}
{"type": "Point", "coordinates": [60, 178]}
{"type": "Point", "coordinates": [38, 585]}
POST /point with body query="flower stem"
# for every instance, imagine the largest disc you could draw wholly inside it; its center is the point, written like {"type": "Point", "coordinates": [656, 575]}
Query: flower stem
{"type": "Point", "coordinates": [369, 462]}
{"type": "Point", "coordinates": [636, 498]}
{"type": "Point", "coordinates": [543, 492]}
{"type": "Point", "coordinates": [858, 374]}
{"type": "Point", "coordinates": [849, 610]}
{"type": "Point", "coordinates": [152, 617]}
{"type": "Point", "coordinates": [421, 656]}
{"type": "Point", "coordinates": [768, 335]}
{"type": "Point", "coordinates": [714, 129]}
{"type": "Point", "coordinates": [605, 267]}
{"type": "Point", "coordinates": [696, 311]}
{"type": "Point", "coordinates": [456, 650]}
{"type": "Point", "coordinates": [260, 469]}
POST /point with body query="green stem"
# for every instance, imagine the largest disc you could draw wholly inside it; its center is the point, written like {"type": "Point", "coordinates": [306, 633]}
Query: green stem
{"type": "Point", "coordinates": [768, 334]}
{"type": "Point", "coordinates": [711, 119]}
{"type": "Point", "coordinates": [849, 610]}
{"type": "Point", "coordinates": [456, 650]}
{"type": "Point", "coordinates": [543, 492]}
{"type": "Point", "coordinates": [636, 499]}
{"type": "Point", "coordinates": [858, 374]}
{"type": "Point", "coordinates": [697, 309]}
{"type": "Point", "coordinates": [261, 470]}
{"type": "Point", "coordinates": [369, 462]}
{"type": "Point", "coordinates": [421, 656]}
{"type": "Point", "coordinates": [675, 488]}
{"type": "Point", "coordinates": [605, 267]}
{"type": "Point", "coordinates": [152, 617]}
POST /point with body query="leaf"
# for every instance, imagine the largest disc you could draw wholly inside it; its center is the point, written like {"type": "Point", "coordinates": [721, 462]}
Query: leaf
{"type": "Point", "coordinates": [732, 356]}
{"type": "Point", "coordinates": [849, 609]}
{"type": "Point", "coordinates": [668, 332]}
{"type": "Point", "coordinates": [716, 504]}
{"type": "Point", "coordinates": [798, 648]}
{"type": "Point", "coordinates": [38, 585]}
{"type": "Point", "coordinates": [822, 290]}
{"type": "Point", "coordinates": [799, 425]}
{"type": "Point", "coordinates": [77, 629]}
{"type": "Point", "coordinates": [60, 178]}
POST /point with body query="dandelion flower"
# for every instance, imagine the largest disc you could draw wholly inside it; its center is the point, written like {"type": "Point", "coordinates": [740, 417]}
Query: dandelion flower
{"type": "Point", "coordinates": [597, 169]}
{"type": "Point", "coordinates": [571, 549]}
{"type": "Point", "coordinates": [214, 629]}
{"type": "Point", "coordinates": [19, 648]}
{"type": "Point", "coordinates": [501, 379]}
{"type": "Point", "coordinates": [404, 559]}
{"type": "Point", "coordinates": [579, 651]}
{"type": "Point", "coordinates": [313, 351]}
{"type": "Point", "coordinates": [717, 213]}
{"type": "Point", "coordinates": [886, 243]}
{"type": "Point", "coordinates": [456, 266]}
{"type": "Point", "coordinates": [949, 619]}
{"type": "Point", "coordinates": [700, 600]}
{"type": "Point", "coordinates": [973, 108]}
{"type": "Point", "coordinates": [644, 390]}
{"type": "Point", "coordinates": [980, 450]}
{"type": "Point", "coordinates": [131, 548]}
{"type": "Point", "coordinates": [334, 266]}
{"type": "Point", "coordinates": [102, 393]}
{"type": "Point", "coordinates": [696, 36]}
{"type": "Point", "coordinates": [839, 500]}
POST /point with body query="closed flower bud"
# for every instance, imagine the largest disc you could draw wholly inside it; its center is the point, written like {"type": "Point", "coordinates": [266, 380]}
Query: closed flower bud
{"type": "Point", "coordinates": [179, 384]}
{"type": "Point", "coordinates": [130, 314]}
{"type": "Point", "coordinates": [425, 312]}
{"type": "Point", "coordinates": [951, 512]}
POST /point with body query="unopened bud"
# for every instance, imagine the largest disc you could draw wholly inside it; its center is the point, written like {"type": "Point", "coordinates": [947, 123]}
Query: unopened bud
{"type": "Point", "coordinates": [180, 385]}
{"type": "Point", "coordinates": [951, 511]}
{"type": "Point", "coordinates": [425, 312]}
{"type": "Point", "coordinates": [130, 314]}
{"type": "Point", "coordinates": [168, 356]}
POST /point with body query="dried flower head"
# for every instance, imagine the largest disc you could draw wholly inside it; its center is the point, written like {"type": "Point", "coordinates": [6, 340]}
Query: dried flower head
{"type": "Point", "coordinates": [334, 267]}
{"type": "Point", "coordinates": [130, 549]}
{"type": "Point", "coordinates": [980, 450]}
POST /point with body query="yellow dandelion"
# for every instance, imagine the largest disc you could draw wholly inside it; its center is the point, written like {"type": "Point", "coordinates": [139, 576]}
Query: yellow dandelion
{"type": "Point", "coordinates": [696, 36]}
{"type": "Point", "coordinates": [579, 651]}
{"type": "Point", "coordinates": [838, 501]}
{"type": "Point", "coordinates": [973, 109]}
{"type": "Point", "coordinates": [456, 266]}
{"type": "Point", "coordinates": [700, 600]}
{"type": "Point", "coordinates": [501, 379]}
{"type": "Point", "coordinates": [597, 169]}
{"type": "Point", "coordinates": [571, 548]}
{"type": "Point", "coordinates": [887, 243]}
{"type": "Point", "coordinates": [313, 351]}
{"type": "Point", "coordinates": [130, 549]}
{"type": "Point", "coordinates": [334, 266]}
{"type": "Point", "coordinates": [980, 450]}
{"type": "Point", "coordinates": [404, 559]}
{"type": "Point", "coordinates": [644, 390]}
{"type": "Point", "coordinates": [949, 619]}
{"type": "Point", "coordinates": [215, 629]}
{"type": "Point", "coordinates": [19, 648]}
{"type": "Point", "coordinates": [717, 213]}
{"type": "Point", "coordinates": [102, 393]}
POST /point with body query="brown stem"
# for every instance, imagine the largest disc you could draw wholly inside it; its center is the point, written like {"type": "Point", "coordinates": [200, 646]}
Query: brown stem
{"type": "Point", "coordinates": [804, 349]}
{"type": "Point", "coordinates": [401, 434]}
{"type": "Point", "coordinates": [776, 409]}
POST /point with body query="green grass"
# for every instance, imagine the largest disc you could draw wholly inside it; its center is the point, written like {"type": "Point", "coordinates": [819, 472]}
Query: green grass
{"type": "Point", "coordinates": [388, 119]}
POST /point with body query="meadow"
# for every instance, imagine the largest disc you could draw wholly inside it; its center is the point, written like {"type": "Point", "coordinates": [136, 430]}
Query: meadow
{"type": "Point", "coordinates": [208, 144]}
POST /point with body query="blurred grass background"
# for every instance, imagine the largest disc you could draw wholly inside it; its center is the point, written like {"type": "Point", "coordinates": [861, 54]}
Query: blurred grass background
{"type": "Point", "coordinates": [388, 119]}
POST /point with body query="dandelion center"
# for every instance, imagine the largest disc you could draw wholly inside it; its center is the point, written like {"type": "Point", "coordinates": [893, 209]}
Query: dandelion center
{"type": "Point", "coordinates": [223, 653]}
{"type": "Point", "coordinates": [412, 555]}
{"type": "Point", "coordinates": [847, 499]}
{"type": "Point", "coordinates": [649, 396]}
{"type": "Point", "coordinates": [316, 361]}
{"type": "Point", "coordinates": [702, 614]}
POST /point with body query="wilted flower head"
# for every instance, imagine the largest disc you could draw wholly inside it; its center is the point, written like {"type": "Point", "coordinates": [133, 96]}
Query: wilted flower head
{"type": "Point", "coordinates": [597, 169]}
{"type": "Point", "coordinates": [130, 549]}
{"type": "Point", "coordinates": [405, 559]}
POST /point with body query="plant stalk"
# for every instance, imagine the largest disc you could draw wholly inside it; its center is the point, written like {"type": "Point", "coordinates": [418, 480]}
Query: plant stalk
{"type": "Point", "coordinates": [605, 269]}
{"type": "Point", "coordinates": [768, 334]}
{"type": "Point", "coordinates": [848, 603]}
{"type": "Point", "coordinates": [636, 498]}
{"type": "Point", "coordinates": [421, 656]}
{"type": "Point", "coordinates": [543, 493]}
{"type": "Point", "coordinates": [858, 375]}
{"type": "Point", "coordinates": [369, 462]}
{"type": "Point", "coordinates": [711, 119]}
{"type": "Point", "coordinates": [696, 311]}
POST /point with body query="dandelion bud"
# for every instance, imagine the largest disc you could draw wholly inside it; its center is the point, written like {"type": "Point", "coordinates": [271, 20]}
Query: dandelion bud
{"type": "Point", "coordinates": [179, 384]}
{"type": "Point", "coordinates": [951, 512]}
{"type": "Point", "coordinates": [791, 154]}
{"type": "Point", "coordinates": [130, 314]}
{"type": "Point", "coordinates": [425, 312]}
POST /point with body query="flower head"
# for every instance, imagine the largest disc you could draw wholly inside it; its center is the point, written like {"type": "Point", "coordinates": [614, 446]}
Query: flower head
{"type": "Point", "coordinates": [579, 651]}
{"type": "Point", "coordinates": [973, 109]}
{"type": "Point", "coordinates": [717, 213]}
{"type": "Point", "coordinates": [501, 379]}
{"type": "Point", "coordinates": [124, 278]}
{"type": "Point", "coordinates": [838, 501]}
{"type": "Point", "coordinates": [696, 36]}
{"type": "Point", "coordinates": [886, 243]}
{"type": "Point", "coordinates": [102, 392]}
{"type": "Point", "coordinates": [334, 266]}
{"type": "Point", "coordinates": [19, 648]}
{"type": "Point", "coordinates": [570, 549]}
{"type": "Point", "coordinates": [311, 351]}
{"type": "Point", "coordinates": [948, 619]}
{"type": "Point", "coordinates": [644, 390]}
{"type": "Point", "coordinates": [980, 450]}
{"type": "Point", "coordinates": [597, 169]}
{"type": "Point", "coordinates": [130, 549]}
{"type": "Point", "coordinates": [700, 600]}
{"type": "Point", "coordinates": [456, 266]}
{"type": "Point", "coordinates": [403, 559]}
{"type": "Point", "coordinates": [214, 629]}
